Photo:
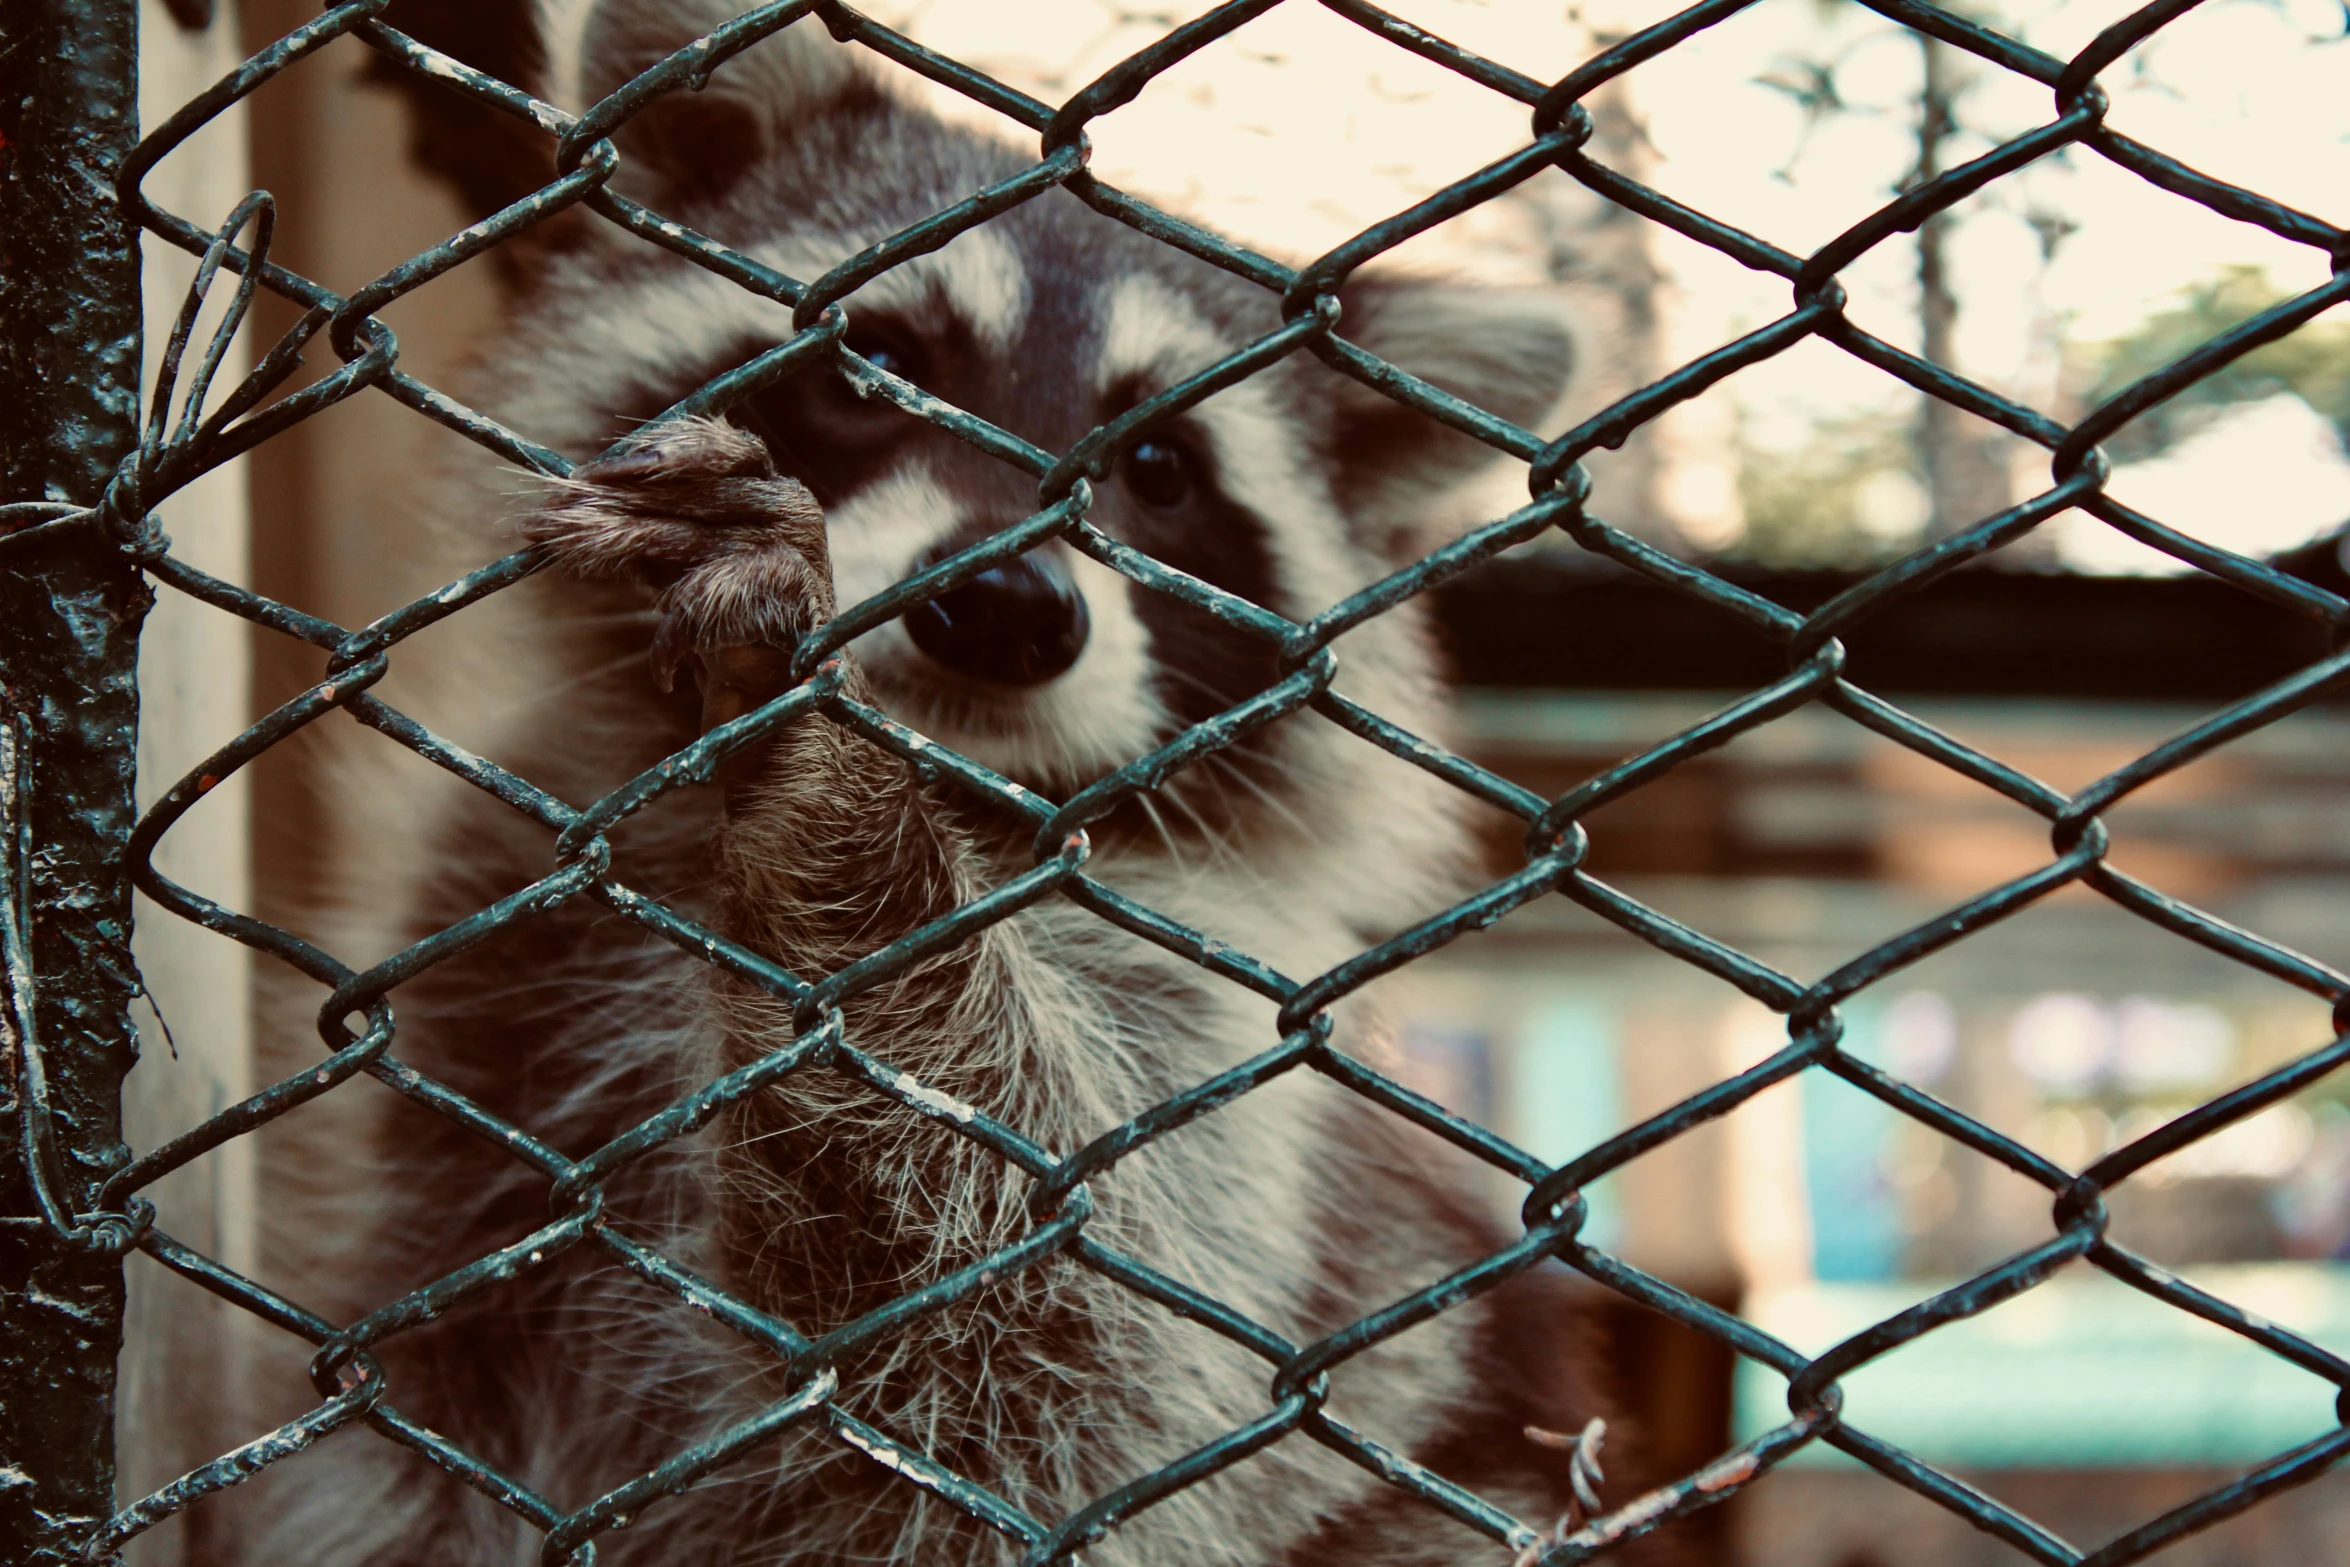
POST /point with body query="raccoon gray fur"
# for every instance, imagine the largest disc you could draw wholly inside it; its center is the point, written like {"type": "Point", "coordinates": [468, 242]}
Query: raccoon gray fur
{"type": "Point", "coordinates": [712, 547]}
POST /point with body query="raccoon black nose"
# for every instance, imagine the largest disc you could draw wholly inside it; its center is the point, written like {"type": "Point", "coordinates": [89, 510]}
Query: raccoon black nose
{"type": "Point", "coordinates": [1019, 623]}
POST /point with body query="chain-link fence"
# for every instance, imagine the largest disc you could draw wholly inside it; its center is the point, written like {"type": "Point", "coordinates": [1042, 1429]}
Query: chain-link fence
{"type": "Point", "coordinates": [81, 534]}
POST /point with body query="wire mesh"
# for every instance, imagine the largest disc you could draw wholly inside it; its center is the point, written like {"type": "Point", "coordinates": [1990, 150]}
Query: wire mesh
{"type": "Point", "coordinates": [188, 433]}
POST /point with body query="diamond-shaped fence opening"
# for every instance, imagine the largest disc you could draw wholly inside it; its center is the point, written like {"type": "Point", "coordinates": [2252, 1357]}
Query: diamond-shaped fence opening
{"type": "Point", "coordinates": [585, 1223]}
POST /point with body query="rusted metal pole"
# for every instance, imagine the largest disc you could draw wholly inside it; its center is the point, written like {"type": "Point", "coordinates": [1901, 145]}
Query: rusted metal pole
{"type": "Point", "coordinates": [70, 606]}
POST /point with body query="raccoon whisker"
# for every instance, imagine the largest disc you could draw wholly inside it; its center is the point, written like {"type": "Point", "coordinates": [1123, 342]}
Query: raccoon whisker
{"type": "Point", "coordinates": [639, 619]}
{"type": "Point", "coordinates": [1236, 773]}
{"type": "Point", "coordinates": [1231, 762]}
{"type": "Point", "coordinates": [1149, 804]}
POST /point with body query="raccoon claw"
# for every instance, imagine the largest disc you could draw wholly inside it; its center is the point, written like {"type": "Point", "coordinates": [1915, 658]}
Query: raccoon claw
{"type": "Point", "coordinates": [696, 511]}
{"type": "Point", "coordinates": [673, 644]}
{"type": "Point", "coordinates": [739, 680]}
{"type": "Point", "coordinates": [733, 680]}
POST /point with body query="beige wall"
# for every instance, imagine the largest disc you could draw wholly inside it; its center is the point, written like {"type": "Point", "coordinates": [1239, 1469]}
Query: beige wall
{"type": "Point", "coordinates": [181, 1361]}
{"type": "Point", "coordinates": [331, 496]}
{"type": "Point", "coordinates": [318, 518]}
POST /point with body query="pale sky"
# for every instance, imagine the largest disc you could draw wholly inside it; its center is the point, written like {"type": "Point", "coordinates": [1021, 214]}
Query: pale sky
{"type": "Point", "coordinates": [1302, 128]}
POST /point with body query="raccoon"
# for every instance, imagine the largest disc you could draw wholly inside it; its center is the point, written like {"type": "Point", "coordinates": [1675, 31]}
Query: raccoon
{"type": "Point", "coordinates": [707, 548]}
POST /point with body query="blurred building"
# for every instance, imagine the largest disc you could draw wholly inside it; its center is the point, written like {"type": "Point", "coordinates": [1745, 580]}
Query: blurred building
{"type": "Point", "coordinates": [2074, 1026]}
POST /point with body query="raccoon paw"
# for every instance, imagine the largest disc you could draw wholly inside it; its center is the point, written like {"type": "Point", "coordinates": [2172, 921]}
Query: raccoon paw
{"type": "Point", "coordinates": [696, 510]}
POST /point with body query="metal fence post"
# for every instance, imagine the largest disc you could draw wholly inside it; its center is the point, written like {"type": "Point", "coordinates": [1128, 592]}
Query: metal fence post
{"type": "Point", "coordinates": [70, 608]}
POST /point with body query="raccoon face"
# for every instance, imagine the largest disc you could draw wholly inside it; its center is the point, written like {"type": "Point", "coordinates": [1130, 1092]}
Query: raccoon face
{"type": "Point", "coordinates": [1047, 321]}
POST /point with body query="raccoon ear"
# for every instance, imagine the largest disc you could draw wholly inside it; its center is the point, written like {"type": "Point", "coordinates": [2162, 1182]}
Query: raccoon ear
{"type": "Point", "coordinates": [1511, 352]}
{"type": "Point", "coordinates": [688, 143]}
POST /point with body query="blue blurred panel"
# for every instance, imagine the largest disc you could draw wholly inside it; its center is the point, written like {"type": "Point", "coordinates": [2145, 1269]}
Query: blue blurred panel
{"type": "Point", "coordinates": [1569, 1092]}
{"type": "Point", "coordinates": [1847, 1143]}
{"type": "Point", "coordinates": [2080, 1373]}
{"type": "Point", "coordinates": [1453, 1066]}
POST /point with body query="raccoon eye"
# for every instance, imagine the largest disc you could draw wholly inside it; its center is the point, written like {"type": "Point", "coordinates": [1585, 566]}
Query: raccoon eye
{"type": "Point", "coordinates": [886, 355]}
{"type": "Point", "coordinates": [1159, 475]}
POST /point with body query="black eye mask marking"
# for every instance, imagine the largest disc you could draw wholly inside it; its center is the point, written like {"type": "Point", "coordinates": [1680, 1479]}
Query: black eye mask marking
{"type": "Point", "coordinates": [1165, 496]}
{"type": "Point", "coordinates": [830, 437]}
{"type": "Point", "coordinates": [819, 428]}
{"type": "Point", "coordinates": [1166, 501]}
